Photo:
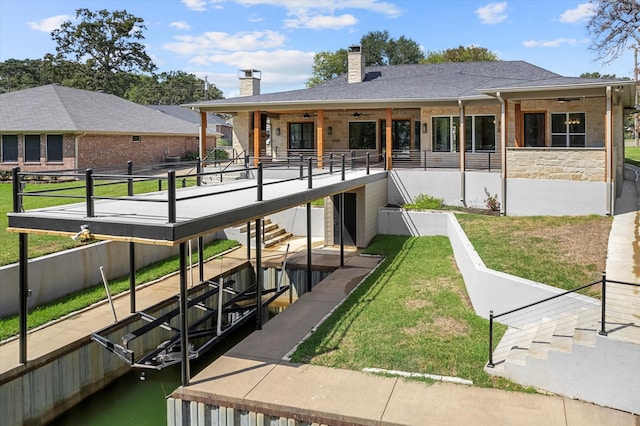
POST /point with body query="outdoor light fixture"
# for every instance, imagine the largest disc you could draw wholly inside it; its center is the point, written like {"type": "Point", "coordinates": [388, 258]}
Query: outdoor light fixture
{"type": "Point", "coordinates": [424, 128]}
{"type": "Point", "coordinates": [277, 131]}
{"type": "Point", "coordinates": [329, 130]}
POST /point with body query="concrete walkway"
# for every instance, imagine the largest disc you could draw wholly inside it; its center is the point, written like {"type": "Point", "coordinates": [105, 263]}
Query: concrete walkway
{"type": "Point", "coordinates": [256, 377]}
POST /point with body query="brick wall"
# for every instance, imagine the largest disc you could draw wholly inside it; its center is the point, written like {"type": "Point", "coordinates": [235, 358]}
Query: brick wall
{"type": "Point", "coordinates": [110, 150]}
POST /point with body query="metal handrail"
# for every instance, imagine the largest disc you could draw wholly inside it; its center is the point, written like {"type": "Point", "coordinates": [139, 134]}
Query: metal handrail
{"type": "Point", "coordinates": [603, 331]}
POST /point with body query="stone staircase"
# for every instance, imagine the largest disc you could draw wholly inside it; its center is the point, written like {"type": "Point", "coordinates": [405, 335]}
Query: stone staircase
{"type": "Point", "coordinates": [272, 233]}
{"type": "Point", "coordinates": [565, 354]}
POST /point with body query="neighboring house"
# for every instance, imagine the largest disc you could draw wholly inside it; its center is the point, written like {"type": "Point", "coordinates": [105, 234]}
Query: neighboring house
{"type": "Point", "coordinates": [544, 143]}
{"type": "Point", "coordinates": [216, 125]}
{"type": "Point", "coordinates": [53, 127]}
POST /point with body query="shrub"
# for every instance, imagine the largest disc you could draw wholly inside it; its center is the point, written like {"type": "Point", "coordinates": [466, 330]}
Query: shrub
{"type": "Point", "coordinates": [425, 202]}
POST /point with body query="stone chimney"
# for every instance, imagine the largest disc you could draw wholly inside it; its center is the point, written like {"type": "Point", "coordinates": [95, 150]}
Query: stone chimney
{"type": "Point", "coordinates": [250, 82]}
{"type": "Point", "coordinates": [355, 61]}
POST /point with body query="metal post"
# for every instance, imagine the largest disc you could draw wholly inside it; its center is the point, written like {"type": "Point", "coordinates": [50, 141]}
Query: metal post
{"type": "Point", "coordinates": [89, 192]}
{"type": "Point", "coordinates": [368, 162]}
{"type": "Point", "coordinates": [184, 317]}
{"type": "Point", "coordinates": [17, 189]}
{"type": "Point", "coordinates": [172, 196]}
{"type": "Point", "coordinates": [490, 364]}
{"type": "Point", "coordinates": [353, 160]}
{"type": "Point", "coordinates": [24, 292]}
{"type": "Point", "coordinates": [342, 228]}
{"type": "Point", "coordinates": [201, 259]}
{"type": "Point", "coordinates": [258, 276]}
{"type": "Point", "coordinates": [301, 167]}
{"type": "Point", "coordinates": [159, 184]}
{"type": "Point", "coordinates": [130, 180]}
{"type": "Point", "coordinates": [132, 277]}
{"type": "Point", "coordinates": [342, 166]}
{"type": "Point", "coordinates": [259, 184]}
{"type": "Point", "coordinates": [489, 160]}
{"type": "Point", "coordinates": [310, 178]}
{"type": "Point", "coordinates": [248, 240]}
{"type": "Point", "coordinates": [198, 172]}
{"type": "Point", "coordinates": [603, 302]}
{"type": "Point", "coordinates": [309, 282]}
{"type": "Point", "coordinates": [331, 163]}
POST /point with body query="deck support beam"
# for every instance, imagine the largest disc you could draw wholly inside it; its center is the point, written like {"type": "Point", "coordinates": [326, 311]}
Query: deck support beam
{"type": "Point", "coordinates": [184, 320]}
{"type": "Point", "coordinates": [132, 277]}
{"type": "Point", "coordinates": [24, 293]}
{"type": "Point", "coordinates": [258, 274]}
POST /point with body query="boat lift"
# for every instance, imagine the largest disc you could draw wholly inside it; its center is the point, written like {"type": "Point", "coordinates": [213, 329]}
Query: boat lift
{"type": "Point", "coordinates": [221, 318]}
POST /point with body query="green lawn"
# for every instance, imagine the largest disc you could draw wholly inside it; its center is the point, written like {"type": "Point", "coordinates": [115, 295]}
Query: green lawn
{"type": "Point", "coordinates": [632, 155]}
{"type": "Point", "coordinates": [411, 314]}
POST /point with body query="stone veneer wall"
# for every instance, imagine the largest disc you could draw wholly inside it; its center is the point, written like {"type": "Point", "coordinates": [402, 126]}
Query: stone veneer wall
{"type": "Point", "coordinates": [556, 164]}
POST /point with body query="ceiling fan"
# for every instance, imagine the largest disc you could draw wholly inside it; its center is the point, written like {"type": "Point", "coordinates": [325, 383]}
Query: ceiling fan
{"type": "Point", "coordinates": [359, 114]}
{"type": "Point", "coordinates": [307, 115]}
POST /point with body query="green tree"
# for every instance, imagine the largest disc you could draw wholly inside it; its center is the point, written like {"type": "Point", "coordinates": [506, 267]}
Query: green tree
{"type": "Point", "coordinates": [108, 43]}
{"type": "Point", "coordinates": [378, 49]}
{"type": "Point", "coordinates": [170, 88]}
{"type": "Point", "coordinates": [596, 75]}
{"type": "Point", "coordinates": [615, 26]}
{"type": "Point", "coordinates": [18, 74]}
{"type": "Point", "coordinates": [461, 54]}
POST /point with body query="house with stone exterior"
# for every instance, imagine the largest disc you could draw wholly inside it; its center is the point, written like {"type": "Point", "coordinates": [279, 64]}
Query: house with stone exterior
{"type": "Point", "coordinates": [52, 127]}
{"type": "Point", "coordinates": [539, 142]}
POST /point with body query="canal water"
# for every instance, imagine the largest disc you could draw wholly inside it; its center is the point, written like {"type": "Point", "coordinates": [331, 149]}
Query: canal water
{"type": "Point", "coordinates": [139, 397]}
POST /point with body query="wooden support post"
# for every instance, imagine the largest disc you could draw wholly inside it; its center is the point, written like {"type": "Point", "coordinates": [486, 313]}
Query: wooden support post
{"type": "Point", "coordinates": [256, 138]}
{"type": "Point", "coordinates": [388, 140]}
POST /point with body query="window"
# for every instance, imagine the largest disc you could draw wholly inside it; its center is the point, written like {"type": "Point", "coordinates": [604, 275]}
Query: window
{"type": "Point", "coordinates": [534, 129]}
{"type": "Point", "coordinates": [301, 136]}
{"type": "Point", "coordinates": [32, 148]}
{"type": "Point", "coordinates": [484, 133]}
{"type": "Point", "coordinates": [135, 138]}
{"type": "Point", "coordinates": [54, 148]}
{"type": "Point", "coordinates": [362, 135]}
{"type": "Point", "coordinates": [443, 135]}
{"type": "Point", "coordinates": [568, 130]}
{"type": "Point", "coordinates": [400, 134]}
{"type": "Point", "coordinates": [9, 148]}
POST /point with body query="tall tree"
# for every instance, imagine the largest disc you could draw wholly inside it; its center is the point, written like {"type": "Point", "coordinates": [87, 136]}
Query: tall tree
{"type": "Point", "coordinates": [170, 88]}
{"type": "Point", "coordinates": [461, 54]}
{"type": "Point", "coordinates": [378, 49]}
{"type": "Point", "coordinates": [615, 26]}
{"type": "Point", "coordinates": [108, 43]}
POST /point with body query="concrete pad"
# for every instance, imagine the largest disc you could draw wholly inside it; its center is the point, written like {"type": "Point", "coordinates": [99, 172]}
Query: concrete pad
{"type": "Point", "coordinates": [581, 413]}
{"type": "Point", "coordinates": [417, 404]}
{"type": "Point", "coordinates": [336, 395]}
{"type": "Point", "coordinates": [230, 378]}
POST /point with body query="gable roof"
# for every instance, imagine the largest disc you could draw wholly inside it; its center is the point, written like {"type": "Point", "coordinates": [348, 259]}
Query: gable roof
{"type": "Point", "coordinates": [404, 85]}
{"type": "Point", "coordinates": [54, 108]}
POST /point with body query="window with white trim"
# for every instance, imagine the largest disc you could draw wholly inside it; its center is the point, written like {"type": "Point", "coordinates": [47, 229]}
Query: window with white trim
{"type": "Point", "coordinates": [568, 129]}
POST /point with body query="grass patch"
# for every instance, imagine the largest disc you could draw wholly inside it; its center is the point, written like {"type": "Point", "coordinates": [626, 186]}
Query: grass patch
{"type": "Point", "coordinates": [410, 314]}
{"type": "Point", "coordinates": [564, 252]}
{"type": "Point", "coordinates": [9, 326]}
{"type": "Point", "coordinates": [632, 155]}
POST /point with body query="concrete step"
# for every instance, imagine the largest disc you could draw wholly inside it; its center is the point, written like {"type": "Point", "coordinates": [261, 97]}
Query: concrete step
{"type": "Point", "coordinates": [243, 228]}
{"type": "Point", "coordinates": [563, 334]}
{"type": "Point", "coordinates": [541, 342]}
{"type": "Point", "coordinates": [278, 239]}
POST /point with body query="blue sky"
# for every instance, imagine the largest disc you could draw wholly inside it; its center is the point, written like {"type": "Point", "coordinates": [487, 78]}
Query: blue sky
{"type": "Point", "coordinates": [216, 38]}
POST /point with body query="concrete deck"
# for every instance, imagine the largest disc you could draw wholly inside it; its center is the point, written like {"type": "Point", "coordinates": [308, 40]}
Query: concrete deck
{"type": "Point", "coordinates": [256, 376]}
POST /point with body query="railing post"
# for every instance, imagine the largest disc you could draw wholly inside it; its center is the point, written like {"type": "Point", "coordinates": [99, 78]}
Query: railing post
{"type": "Point", "coordinates": [89, 192]}
{"type": "Point", "coordinates": [259, 183]}
{"type": "Point", "coordinates": [368, 162]}
{"type": "Point", "coordinates": [130, 180]}
{"type": "Point", "coordinates": [172, 196]}
{"type": "Point", "coordinates": [490, 364]}
{"type": "Point", "coordinates": [159, 184]}
{"type": "Point", "coordinates": [331, 163]}
{"type": "Point", "coordinates": [310, 179]}
{"type": "Point", "coordinates": [17, 188]}
{"type": "Point", "coordinates": [198, 172]}
{"type": "Point", "coordinates": [342, 166]}
{"type": "Point", "coordinates": [353, 160]}
{"type": "Point", "coordinates": [603, 302]}
{"type": "Point", "coordinates": [489, 154]}
{"type": "Point", "coordinates": [301, 167]}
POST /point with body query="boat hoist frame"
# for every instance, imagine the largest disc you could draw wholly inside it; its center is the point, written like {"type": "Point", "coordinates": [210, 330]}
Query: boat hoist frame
{"type": "Point", "coordinates": [239, 309]}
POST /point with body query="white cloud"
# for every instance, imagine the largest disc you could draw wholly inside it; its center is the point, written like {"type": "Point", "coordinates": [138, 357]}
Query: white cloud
{"type": "Point", "coordinates": [197, 5]}
{"type": "Point", "coordinates": [312, 7]}
{"type": "Point", "coordinates": [321, 22]}
{"type": "Point", "coordinates": [581, 13]}
{"type": "Point", "coordinates": [180, 25]}
{"type": "Point", "coordinates": [550, 43]}
{"type": "Point", "coordinates": [493, 13]}
{"type": "Point", "coordinates": [49, 24]}
{"type": "Point", "coordinates": [219, 41]}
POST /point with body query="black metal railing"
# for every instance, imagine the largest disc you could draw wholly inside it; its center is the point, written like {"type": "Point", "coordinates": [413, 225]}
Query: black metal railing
{"type": "Point", "coordinates": [535, 312]}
